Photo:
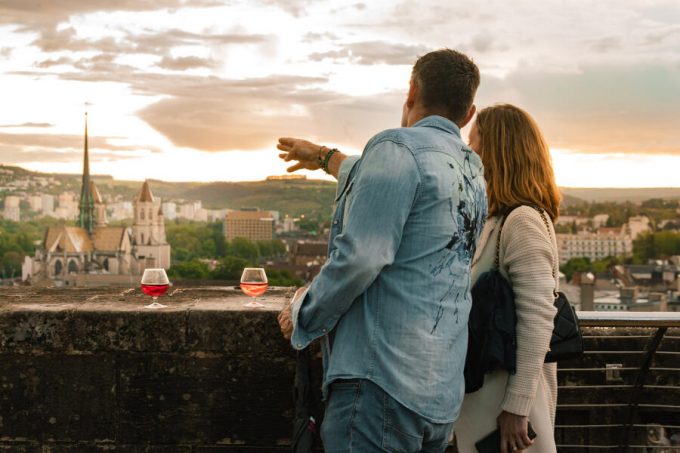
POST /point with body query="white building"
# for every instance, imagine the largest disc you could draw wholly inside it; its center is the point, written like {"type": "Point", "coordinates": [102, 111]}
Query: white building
{"type": "Point", "coordinates": [35, 202]}
{"type": "Point", "coordinates": [287, 225]}
{"type": "Point", "coordinates": [68, 207]}
{"type": "Point", "coordinates": [121, 210]}
{"type": "Point", "coordinates": [215, 215]}
{"type": "Point", "coordinates": [593, 246]}
{"type": "Point", "coordinates": [47, 202]}
{"type": "Point", "coordinates": [637, 225]}
{"type": "Point", "coordinates": [600, 220]}
{"type": "Point", "coordinates": [570, 219]}
{"type": "Point", "coordinates": [188, 211]}
{"type": "Point", "coordinates": [169, 210]}
{"type": "Point", "coordinates": [12, 209]}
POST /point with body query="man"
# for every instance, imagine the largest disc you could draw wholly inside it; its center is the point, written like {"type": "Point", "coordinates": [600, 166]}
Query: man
{"type": "Point", "coordinates": [392, 300]}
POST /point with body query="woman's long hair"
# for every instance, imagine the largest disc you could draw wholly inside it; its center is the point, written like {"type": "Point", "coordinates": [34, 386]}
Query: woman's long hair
{"type": "Point", "coordinates": [517, 163]}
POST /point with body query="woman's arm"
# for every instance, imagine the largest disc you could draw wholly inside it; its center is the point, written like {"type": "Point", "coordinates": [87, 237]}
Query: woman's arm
{"type": "Point", "coordinates": [528, 258]}
{"type": "Point", "coordinates": [309, 155]}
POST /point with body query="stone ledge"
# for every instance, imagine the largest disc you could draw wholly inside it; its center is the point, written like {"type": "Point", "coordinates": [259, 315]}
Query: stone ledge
{"type": "Point", "coordinates": [82, 321]}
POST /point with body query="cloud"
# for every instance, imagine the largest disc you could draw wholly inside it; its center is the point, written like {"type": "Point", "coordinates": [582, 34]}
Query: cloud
{"type": "Point", "coordinates": [60, 142]}
{"type": "Point", "coordinates": [27, 125]}
{"type": "Point", "coordinates": [608, 44]}
{"type": "Point", "coordinates": [620, 109]}
{"type": "Point", "coordinates": [660, 36]}
{"type": "Point", "coordinates": [38, 14]}
{"type": "Point", "coordinates": [15, 155]}
{"type": "Point", "coordinates": [153, 43]}
{"type": "Point", "coordinates": [314, 37]}
{"type": "Point", "coordinates": [183, 63]}
{"type": "Point", "coordinates": [373, 52]}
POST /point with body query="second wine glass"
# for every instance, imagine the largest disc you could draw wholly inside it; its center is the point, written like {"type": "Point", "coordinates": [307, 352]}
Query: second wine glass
{"type": "Point", "coordinates": [254, 283]}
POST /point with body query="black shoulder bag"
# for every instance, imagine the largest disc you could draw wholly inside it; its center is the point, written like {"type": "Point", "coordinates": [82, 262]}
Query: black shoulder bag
{"type": "Point", "coordinates": [566, 341]}
{"type": "Point", "coordinates": [491, 326]}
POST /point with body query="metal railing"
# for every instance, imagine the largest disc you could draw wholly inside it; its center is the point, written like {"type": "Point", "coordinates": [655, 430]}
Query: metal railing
{"type": "Point", "coordinates": [623, 394]}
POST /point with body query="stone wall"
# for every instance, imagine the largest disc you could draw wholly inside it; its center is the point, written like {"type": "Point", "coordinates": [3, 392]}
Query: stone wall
{"type": "Point", "coordinates": [92, 370]}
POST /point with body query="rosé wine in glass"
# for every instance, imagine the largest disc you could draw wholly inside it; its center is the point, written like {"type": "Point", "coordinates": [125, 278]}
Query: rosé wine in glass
{"type": "Point", "coordinates": [254, 283]}
{"type": "Point", "coordinates": [155, 283]}
{"type": "Point", "coordinates": [154, 290]}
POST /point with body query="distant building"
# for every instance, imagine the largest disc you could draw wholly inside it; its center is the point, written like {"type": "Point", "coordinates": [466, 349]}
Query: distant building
{"type": "Point", "coordinates": [571, 219]}
{"type": "Point", "coordinates": [67, 208]}
{"type": "Point", "coordinates": [593, 246]}
{"type": "Point", "coordinates": [188, 211]}
{"type": "Point", "coordinates": [170, 210]}
{"type": "Point", "coordinates": [600, 220]}
{"type": "Point", "coordinates": [309, 253]}
{"type": "Point", "coordinates": [148, 231]}
{"type": "Point", "coordinates": [122, 210]}
{"type": "Point", "coordinates": [92, 250]}
{"type": "Point", "coordinates": [215, 215]}
{"type": "Point", "coordinates": [34, 202]}
{"type": "Point", "coordinates": [287, 225]}
{"type": "Point", "coordinates": [12, 209]}
{"type": "Point", "coordinates": [252, 225]}
{"type": "Point", "coordinates": [286, 177]}
{"type": "Point", "coordinates": [47, 202]}
{"type": "Point", "coordinates": [637, 225]}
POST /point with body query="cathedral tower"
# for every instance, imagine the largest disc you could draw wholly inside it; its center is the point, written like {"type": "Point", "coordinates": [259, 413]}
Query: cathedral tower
{"type": "Point", "coordinates": [86, 204]}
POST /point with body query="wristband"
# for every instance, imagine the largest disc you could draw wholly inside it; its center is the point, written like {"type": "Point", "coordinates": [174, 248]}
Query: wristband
{"type": "Point", "coordinates": [328, 159]}
{"type": "Point", "coordinates": [320, 159]}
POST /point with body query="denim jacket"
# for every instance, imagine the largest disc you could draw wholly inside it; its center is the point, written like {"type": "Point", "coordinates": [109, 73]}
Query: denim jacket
{"type": "Point", "coordinates": [393, 298]}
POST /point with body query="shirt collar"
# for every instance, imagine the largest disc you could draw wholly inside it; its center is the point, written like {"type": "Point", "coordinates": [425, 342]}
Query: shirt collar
{"type": "Point", "coordinates": [439, 122]}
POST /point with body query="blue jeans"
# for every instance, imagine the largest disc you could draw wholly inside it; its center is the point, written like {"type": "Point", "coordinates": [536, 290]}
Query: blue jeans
{"type": "Point", "coordinates": [361, 418]}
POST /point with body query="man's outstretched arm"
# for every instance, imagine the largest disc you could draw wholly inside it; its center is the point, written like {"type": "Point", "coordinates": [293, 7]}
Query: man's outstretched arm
{"type": "Point", "coordinates": [380, 201]}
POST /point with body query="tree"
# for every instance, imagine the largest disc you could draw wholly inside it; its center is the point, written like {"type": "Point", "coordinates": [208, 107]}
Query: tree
{"type": "Point", "coordinates": [580, 264]}
{"type": "Point", "coordinates": [243, 248]}
{"type": "Point", "coordinates": [230, 268]}
{"type": "Point", "coordinates": [282, 277]}
{"type": "Point", "coordinates": [193, 270]}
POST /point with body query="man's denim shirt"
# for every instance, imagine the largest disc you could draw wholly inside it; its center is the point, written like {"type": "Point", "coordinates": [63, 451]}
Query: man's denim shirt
{"type": "Point", "coordinates": [394, 294]}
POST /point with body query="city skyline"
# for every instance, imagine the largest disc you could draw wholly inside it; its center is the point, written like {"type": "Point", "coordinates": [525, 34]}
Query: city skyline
{"type": "Point", "coordinates": [199, 91]}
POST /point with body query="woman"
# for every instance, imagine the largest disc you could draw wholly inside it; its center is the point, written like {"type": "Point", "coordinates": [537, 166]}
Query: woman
{"type": "Point", "coordinates": [518, 172]}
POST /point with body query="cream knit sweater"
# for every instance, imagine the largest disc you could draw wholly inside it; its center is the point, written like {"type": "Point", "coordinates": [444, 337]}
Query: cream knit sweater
{"type": "Point", "coordinates": [527, 255]}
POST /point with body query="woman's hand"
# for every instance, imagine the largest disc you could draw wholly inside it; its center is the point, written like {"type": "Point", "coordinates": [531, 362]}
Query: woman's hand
{"type": "Point", "coordinates": [306, 153]}
{"type": "Point", "coordinates": [514, 432]}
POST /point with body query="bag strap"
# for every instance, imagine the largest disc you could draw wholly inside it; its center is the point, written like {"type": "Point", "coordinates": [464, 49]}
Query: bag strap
{"type": "Point", "coordinates": [541, 211]}
{"type": "Point", "coordinates": [498, 242]}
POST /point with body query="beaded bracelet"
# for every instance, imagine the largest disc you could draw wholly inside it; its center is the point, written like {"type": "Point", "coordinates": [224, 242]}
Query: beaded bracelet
{"type": "Point", "coordinates": [320, 159]}
{"type": "Point", "coordinates": [328, 159]}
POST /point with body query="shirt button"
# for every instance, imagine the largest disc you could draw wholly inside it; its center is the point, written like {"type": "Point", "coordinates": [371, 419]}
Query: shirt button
{"type": "Point", "coordinates": [299, 345]}
{"type": "Point", "coordinates": [323, 330]}
{"type": "Point", "coordinates": [335, 222]}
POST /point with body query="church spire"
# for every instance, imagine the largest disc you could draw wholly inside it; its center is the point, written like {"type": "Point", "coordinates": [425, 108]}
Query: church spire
{"type": "Point", "coordinates": [86, 204]}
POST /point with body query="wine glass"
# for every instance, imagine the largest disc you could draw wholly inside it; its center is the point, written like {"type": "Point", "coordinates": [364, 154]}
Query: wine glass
{"type": "Point", "coordinates": [155, 283]}
{"type": "Point", "coordinates": [254, 283]}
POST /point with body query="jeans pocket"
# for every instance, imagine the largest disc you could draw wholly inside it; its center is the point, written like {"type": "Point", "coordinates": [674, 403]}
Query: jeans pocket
{"type": "Point", "coordinates": [340, 411]}
{"type": "Point", "coordinates": [400, 428]}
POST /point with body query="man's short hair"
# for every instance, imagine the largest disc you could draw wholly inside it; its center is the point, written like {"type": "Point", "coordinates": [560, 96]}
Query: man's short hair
{"type": "Point", "coordinates": [448, 81]}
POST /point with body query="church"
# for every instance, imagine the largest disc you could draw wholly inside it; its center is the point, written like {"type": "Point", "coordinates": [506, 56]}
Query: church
{"type": "Point", "coordinates": [95, 253]}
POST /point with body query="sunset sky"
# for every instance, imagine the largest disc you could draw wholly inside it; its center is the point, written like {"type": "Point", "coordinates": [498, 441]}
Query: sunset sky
{"type": "Point", "coordinates": [200, 90]}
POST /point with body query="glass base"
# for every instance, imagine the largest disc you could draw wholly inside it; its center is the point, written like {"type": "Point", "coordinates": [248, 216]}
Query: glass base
{"type": "Point", "coordinates": [254, 304]}
{"type": "Point", "coordinates": [155, 305]}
